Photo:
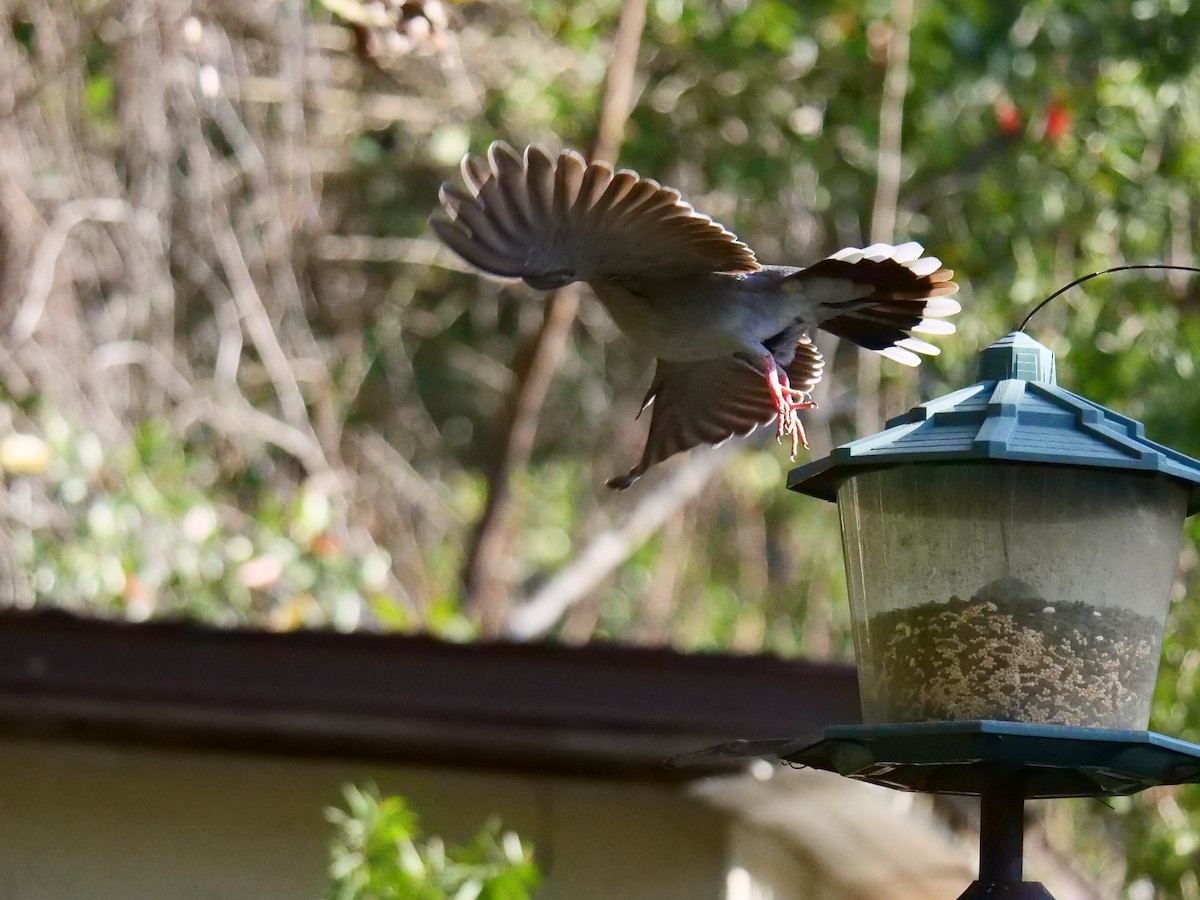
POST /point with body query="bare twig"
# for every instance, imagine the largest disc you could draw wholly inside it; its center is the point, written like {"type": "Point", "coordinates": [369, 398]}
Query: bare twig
{"type": "Point", "coordinates": [889, 165]}
{"type": "Point", "coordinates": [596, 562]}
{"type": "Point", "coordinates": [406, 251]}
{"type": "Point", "coordinates": [236, 418]}
{"type": "Point", "coordinates": [1181, 252]}
{"type": "Point", "coordinates": [353, 109]}
{"type": "Point", "coordinates": [258, 325]}
{"type": "Point", "coordinates": [127, 353]}
{"type": "Point", "coordinates": [618, 91]}
{"type": "Point", "coordinates": [407, 480]}
{"type": "Point", "coordinates": [45, 262]}
{"type": "Point", "coordinates": [891, 123]}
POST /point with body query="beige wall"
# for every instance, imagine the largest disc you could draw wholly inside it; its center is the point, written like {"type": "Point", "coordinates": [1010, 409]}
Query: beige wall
{"type": "Point", "coordinates": [808, 835]}
{"type": "Point", "coordinates": [97, 822]}
{"type": "Point", "coordinates": [765, 866]}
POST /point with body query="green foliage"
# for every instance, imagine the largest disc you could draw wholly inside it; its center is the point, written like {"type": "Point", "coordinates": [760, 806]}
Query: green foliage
{"type": "Point", "coordinates": [146, 528]}
{"type": "Point", "coordinates": [379, 853]}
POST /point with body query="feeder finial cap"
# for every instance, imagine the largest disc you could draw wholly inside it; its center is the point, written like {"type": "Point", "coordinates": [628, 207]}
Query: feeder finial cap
{"type": "Point", "coordinates": [1019, 356]}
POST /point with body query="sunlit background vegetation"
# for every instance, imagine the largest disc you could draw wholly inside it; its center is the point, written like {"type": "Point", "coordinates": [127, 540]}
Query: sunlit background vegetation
{"type": "Point", "coordinates": [240, 382]}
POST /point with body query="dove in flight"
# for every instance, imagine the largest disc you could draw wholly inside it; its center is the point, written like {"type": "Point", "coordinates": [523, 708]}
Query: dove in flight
{"type": "Point", "coordinates": [732, 338]}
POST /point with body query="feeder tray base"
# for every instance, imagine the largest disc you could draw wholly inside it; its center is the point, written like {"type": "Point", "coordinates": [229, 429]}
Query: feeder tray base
{"type": "Point", "coordinates": [1003, 763]}
{"type": "Point", "coordinates": [962, 757]}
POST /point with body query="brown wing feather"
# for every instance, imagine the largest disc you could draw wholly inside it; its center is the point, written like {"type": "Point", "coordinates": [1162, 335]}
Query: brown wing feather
{"type": "Point", "coordinates": [709, 402]}
{"type": "Point", "coordinates": [552, 220]}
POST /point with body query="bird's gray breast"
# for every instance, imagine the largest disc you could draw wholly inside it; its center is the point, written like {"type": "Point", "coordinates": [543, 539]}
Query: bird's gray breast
{"type": "Point", "coordinates": [698, 317]}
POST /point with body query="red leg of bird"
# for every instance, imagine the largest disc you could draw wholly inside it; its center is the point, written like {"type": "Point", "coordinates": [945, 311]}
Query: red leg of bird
{"type": "Point", "coordinates": [787, 400]}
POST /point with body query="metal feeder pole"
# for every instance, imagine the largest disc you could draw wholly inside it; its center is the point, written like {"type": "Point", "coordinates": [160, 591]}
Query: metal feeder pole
{"type": "Point", "coordinates": [1001, 840]}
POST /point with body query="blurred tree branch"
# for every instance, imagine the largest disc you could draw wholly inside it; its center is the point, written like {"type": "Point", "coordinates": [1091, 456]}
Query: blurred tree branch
{"type": "Point", "coordinates": [888, 171]}
{"type": "Point", "coordinates": [890, 158]}
{"type": "Point", "coordinates": [539, 613]}
{"type": "Point", "coordinates": [42, 271]}
{"type": "Point", "coordinates": [486, 582]}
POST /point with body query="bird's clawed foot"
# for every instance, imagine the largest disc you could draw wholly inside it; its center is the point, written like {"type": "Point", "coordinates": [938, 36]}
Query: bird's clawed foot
{"type": "Point", "coordinates": [787, 400]}
{"type": "Point", "coordinates": [788, 423]}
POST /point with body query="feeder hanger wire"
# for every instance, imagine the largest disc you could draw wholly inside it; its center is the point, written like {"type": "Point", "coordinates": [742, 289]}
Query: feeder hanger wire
{"type": "Point", "coordinates": [1081, 280]}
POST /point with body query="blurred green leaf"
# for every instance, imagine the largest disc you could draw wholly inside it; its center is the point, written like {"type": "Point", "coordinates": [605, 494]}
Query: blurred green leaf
{"type": "Point", "coordinates": [379, 853]}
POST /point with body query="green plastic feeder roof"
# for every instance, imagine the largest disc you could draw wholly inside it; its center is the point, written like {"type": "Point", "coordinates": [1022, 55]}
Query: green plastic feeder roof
{"type": "Point", "coordinates": [1015, 413]}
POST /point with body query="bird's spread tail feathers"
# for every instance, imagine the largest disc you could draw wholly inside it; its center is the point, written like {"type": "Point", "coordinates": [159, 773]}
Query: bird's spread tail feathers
{"type": "Point", "coordinates": [908, 293]}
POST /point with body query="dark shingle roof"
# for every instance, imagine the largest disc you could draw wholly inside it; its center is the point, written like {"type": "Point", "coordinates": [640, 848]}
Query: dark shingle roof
{"type": "Point", "coordinates": [599, 709]}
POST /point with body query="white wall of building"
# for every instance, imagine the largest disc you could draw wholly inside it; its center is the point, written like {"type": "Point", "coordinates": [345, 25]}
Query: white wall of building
{"type": "Point", "coordinates": [97, 822]}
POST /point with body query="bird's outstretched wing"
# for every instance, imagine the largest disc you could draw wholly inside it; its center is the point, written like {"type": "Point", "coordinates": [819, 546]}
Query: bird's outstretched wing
{"type": "Point", "coordinates": [712, 401]}
{"type": "Point", "coordinates": [554, 220]}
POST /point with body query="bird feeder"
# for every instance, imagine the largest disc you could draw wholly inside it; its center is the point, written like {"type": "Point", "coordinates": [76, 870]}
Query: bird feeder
{"type": "Point", "coordinates": [1010, 550]}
